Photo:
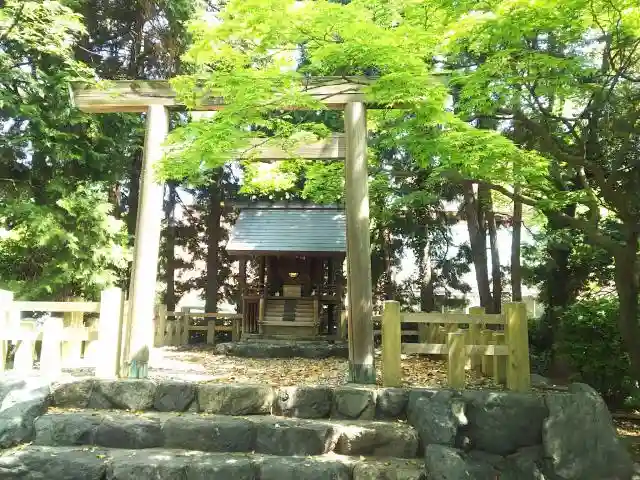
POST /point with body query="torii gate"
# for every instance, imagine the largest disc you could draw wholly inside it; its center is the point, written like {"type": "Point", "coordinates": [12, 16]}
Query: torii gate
{"type": "Point", "coordinates": [156, 98]}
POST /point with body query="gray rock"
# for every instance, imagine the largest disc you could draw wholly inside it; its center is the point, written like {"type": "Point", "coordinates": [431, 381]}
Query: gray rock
{"type": "Point", "coordinates": [163, 464]}
{"type": "Point", "coordinates": [446, 463]}
{"type": "Point", "coordinates": [47, 463]}
{"type": "Point", "coordinates": [73, 393]}
{"type": "Point", "coordinates": [58, 429]}
{"type": "Point", "coordinates": [174, 396]}
{"type": "Point", "coordinates": [283, 350]}
{"type": "Point", "coordinates": [209, 434]}
{"type": "Point", "coordinates": [379, 439]}
{"type": "Point", "coordinates": [303, 468]}
{"type": "Point", "coordinates": [129, 432]}
{"type": "Point", "coordinates": [304, 402]}
{"type": "Point", "coordinates": [354, 403]}
{"type": "Point", "coordinates": [389, 469]}
{"type": "Point", "coordinates": [539, 381]}
{"type": "Point", "coordinates": [293, 437]}
{"type": "Point", "coordinates": [392, 403]}
{"type": "Point", "coordinates": [483, 466]}
{"type": "Point", "coordinates": [525, 464]}
{"type": "Point", "coordinates": [102, 429]}
{"type": "Point", "coordinates": [580, 439]}
{"type": "Point", "coordinates": [128, 394]}
{"type": "Point", "coordinates": [503, 422]}
{"type": "Point", "coordinates": [436, 415]}
{"type": "Point", "coordinates": [22, 402]}
{"type": "Point", "coordinates": [235, 399]}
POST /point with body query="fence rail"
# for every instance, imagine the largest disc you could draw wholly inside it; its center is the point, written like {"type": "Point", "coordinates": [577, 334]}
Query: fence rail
{"type": "Point", "coordinates": [63, 340]}
{"type": "Point", "coordinates": [173, 328]}
{"type": "Point", "coordinates": [502, 354]}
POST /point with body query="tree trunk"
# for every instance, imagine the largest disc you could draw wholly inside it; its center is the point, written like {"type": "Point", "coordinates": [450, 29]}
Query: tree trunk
{"type": "Point", "coordinates": [627, 285]}
{"type": "Point", "coordinates": [170, 269]}
{"type": "Point", "coordinates": [427, 294]}
{"type": "Point", "coordinates": [558, 292]}
{"type": "Point", "coordinates": [516, 241]}
{"type": "Point", "coordinates": [213, 240]}
{"type": "Point", "coordinates": [478, 241]}
{"type": "Point", "coordinates": [486, 203]}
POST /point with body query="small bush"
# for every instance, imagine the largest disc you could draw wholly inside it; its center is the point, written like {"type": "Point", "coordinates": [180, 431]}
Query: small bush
{"type": "Point", "coordinates": [589, 340]}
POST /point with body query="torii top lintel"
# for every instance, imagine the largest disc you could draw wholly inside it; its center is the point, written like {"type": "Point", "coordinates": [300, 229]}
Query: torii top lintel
{"type": "Point", "coordinates": [138, 95]}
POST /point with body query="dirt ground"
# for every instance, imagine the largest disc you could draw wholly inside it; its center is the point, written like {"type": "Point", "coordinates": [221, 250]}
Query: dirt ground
{"type": "Point", "coordinates": [202, 364]}
{"type": "Point", "coordinates": [629, 432]}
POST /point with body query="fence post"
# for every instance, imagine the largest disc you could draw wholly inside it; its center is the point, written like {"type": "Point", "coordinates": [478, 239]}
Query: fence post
{"type": "Point", "coordinates": [161, 325]}
{"type": "Point", "coordinates": [486, 337]}
{"type": "Point", "coordinates": [176, 334]}
{"type": "Point", "coordinates": [211, 330]}
{"type": "Point", "coordinates": [23, 357]}
{"type": "Point", "coordinates": [110, 333]}
{"type": "Point", "coordinates": [342, 334]}
{"type": "Point", "coordinates": [457, 359]}
{"type": "Point", "coordinates": [474, 337]}
{"type": "Point", "coordinates": [499, 361]}
{"type": "Point", "coordinates": [6, 299]}
{"type": "Point", "coordinates": [72, 349]}
{"type": "Point", "coordinates": [261, 313]}
{"type": "Point", "coordinates": [92, 345]}
{"type": "Point", "coordinates": [184, 332]}
{"type": "Point", "coordinates": [236, 332]}
{"type": "Point", "coordinates": [51, 353]}
{"type": "Point", "coordinates": [518, 369]}
{"type": "Point", "coordinates": [391, 345]}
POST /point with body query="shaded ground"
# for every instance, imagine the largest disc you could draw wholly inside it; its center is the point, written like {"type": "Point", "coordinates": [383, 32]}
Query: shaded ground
{"type": "Point", "coordinates": [629, 431]}
{"type": "Point", "coordinates": [201, 363]}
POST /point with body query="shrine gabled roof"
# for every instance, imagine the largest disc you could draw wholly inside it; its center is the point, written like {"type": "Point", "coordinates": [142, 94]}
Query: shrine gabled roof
{"type": "Point", "coordinates": [305, 229]}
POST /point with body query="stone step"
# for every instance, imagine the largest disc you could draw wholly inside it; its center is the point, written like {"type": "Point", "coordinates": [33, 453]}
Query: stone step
{"type": "Point", "coordinates": [35, 462]}
{"type": "Point", "coordinates": [221, 433]}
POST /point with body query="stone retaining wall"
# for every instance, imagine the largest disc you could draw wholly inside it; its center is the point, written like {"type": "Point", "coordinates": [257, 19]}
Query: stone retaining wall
{"type": "Point", "coordinates": [464, 435]}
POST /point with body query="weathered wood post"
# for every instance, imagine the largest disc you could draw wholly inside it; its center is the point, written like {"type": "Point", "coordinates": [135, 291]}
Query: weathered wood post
{"type": "Point", "coordinates": [487, 360]}
{"type": "Point", "coordinates": [457, 359]}
{"type": "Point", "coordinates": [499, 361]}
{"type": "Point", "coordinates": [518, 369]}
{"type": "Point", "coordinates": [110, 333]}
{"type": "Point", "coordinates": [161, 325]}
{"type": "Point", "coordinates": [23, 357]}
{"type": "Point", "coordinates": [261, 313]}
{"type": "Point", "coordinates": [474, 336]}
{"type": "Point", "coordinates": [211, 330]}
{"type": "Point", "coordinates": [361, 364]}
{"type": "Point", "coordinates": [146, 248]}
{"type": "Point", "coordinates": [51, 352]}
{"type": "Point", "coordinates": [6, 301]}
{"type": "Point", "coordinates": [236, 328]}
{"type": "Point", "coordinates": [185, 320]}
{"type": "Point", "coordinates": [391, 345]}
{"type": "Point", "coordinates": [72, 349]}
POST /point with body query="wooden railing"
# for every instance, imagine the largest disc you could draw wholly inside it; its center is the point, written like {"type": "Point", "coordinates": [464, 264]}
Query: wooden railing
{"type": "Point", "coordinates": [64, 341]}
{"type": "Point", "coordinates": [502, 353]}
{"type": "Point", "coordinates": [174, 328]}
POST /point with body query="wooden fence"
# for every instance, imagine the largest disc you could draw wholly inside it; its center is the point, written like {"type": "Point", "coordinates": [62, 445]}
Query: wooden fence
{"type": "Point", "coordinates": [501, 352]}
{"type": "Point", "coordinates": [64, 341]}
{"type": "Point", "coordinates": [174, 328]}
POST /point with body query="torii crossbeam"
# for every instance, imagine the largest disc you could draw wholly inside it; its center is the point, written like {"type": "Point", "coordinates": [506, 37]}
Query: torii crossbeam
{"type": "Point", "coordinates": [156, 98]}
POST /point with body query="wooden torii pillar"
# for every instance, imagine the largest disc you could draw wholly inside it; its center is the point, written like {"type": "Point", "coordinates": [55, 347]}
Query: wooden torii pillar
{"type": "Point", "coordinates": [155, 98]}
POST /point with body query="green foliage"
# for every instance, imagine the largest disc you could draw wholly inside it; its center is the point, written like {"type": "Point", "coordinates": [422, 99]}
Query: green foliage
{"type": "Point", "coordinates": [73, 248]}
{"type": "Point", "coordinates": [58, 234]}
{"type": "Point", "coordinates": [589, 339]}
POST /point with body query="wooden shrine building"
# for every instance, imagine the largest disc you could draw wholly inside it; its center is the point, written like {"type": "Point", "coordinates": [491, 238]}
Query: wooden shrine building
{"type": "Point", "coordinates": [298, 251]}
